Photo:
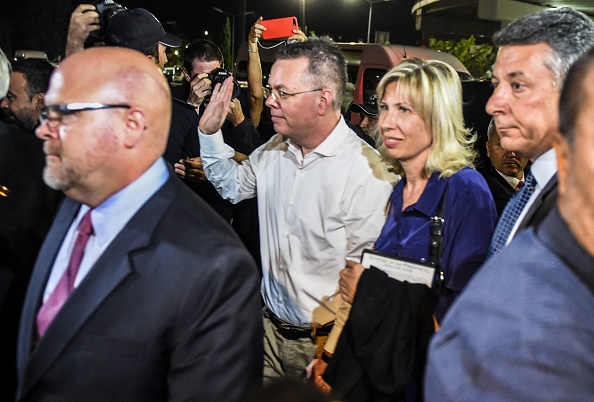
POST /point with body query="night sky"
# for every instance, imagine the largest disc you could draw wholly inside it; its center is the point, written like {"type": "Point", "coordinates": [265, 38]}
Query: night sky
{"type": "Point", "coordinates": [344, 20]}
{"type": "Point", "coordinates": [42, 24]}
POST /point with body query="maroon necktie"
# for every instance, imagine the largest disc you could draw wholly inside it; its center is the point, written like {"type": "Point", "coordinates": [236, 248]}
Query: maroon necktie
{"type": "Point", "coordinates": [54, 303]}
{"type": "Point", "coordinates": [519, 185]}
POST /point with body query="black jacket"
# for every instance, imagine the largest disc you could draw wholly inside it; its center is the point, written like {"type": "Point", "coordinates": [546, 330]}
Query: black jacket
{"type": "Point", "coordinates": [382, 349]}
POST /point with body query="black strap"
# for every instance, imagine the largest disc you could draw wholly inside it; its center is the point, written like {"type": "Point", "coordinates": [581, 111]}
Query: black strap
{"type": "Point", "coordinates": [436, 226]}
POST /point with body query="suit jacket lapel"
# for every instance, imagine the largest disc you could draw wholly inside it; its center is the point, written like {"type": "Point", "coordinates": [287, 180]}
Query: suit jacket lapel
{"type": "Point", "coordinates": [112, 267]}
{"type": "Point", "coordinates": [505, 185]}
{"type": "Point", "coordinates": [536, 206]}
{"type": "Point", "coordinates": [43, 266]}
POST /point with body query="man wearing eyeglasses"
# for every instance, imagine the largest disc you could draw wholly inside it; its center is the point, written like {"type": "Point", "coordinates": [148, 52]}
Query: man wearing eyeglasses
{"type": "Point", "coordinates": [321, 197]}
{"type": "Point", "coordinates": [140, 293]}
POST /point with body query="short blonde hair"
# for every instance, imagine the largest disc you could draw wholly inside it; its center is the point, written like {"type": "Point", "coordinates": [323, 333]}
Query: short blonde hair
{"type": "Point", "coordinates": [435, 91]}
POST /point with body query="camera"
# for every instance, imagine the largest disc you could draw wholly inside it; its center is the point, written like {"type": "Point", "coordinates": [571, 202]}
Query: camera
{"type": "Point", "coordinates": [219, 75]}
{"type": "Point", "coordinates": [106, 10]}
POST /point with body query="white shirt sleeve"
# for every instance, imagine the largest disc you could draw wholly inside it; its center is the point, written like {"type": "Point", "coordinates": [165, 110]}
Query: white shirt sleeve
{"type": "Point", "coordinates": [234, 181]}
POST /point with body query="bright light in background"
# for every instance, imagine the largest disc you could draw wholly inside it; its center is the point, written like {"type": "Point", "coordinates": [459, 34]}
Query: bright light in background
{"type": "Point", "coordinates": [205, 33]}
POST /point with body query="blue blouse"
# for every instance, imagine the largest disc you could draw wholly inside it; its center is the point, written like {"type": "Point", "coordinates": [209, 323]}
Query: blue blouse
{"type": "Point", "coordinates": [470, 218]}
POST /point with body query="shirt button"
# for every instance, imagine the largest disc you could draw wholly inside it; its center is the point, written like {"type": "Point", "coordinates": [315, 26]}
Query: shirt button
{"type": "Point", "coordinates": [281, 300]}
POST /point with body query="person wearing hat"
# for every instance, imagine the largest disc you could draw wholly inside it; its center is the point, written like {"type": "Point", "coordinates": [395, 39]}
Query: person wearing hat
{"type": "Point", "coordinates": [140, 30]}
{"type": "Point", "coordinates": [369, 116]}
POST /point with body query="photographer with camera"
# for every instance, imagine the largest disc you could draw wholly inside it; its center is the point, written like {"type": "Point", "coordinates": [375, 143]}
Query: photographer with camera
{"type": "Point", "coordinates": [203, 68]}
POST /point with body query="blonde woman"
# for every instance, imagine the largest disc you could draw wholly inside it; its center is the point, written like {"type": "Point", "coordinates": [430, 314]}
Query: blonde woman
{"type": "Point", "coordinates": [422, 130]}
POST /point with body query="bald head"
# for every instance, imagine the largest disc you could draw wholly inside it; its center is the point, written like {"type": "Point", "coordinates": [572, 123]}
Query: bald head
{"type": "Point", "coordinates": [119, 75]}
{"type": "Point", "coordinates": [94, 153]}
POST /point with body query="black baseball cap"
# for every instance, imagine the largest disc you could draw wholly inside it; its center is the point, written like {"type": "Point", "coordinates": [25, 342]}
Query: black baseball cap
{"type": "Point", "coordinates": [138, 29]}
{"type": "Point", "coordinates": [369, 107]}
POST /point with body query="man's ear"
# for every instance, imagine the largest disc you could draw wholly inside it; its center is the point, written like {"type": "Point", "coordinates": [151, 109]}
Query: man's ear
{"type": "Point", "coordinates": [39, 101]}
{"type": "Point", "coordinates": [135, 127]}
{"type": "Point", "coordinates": [326, 98]}
{"type": "Point", "coordinates": [488, 149]}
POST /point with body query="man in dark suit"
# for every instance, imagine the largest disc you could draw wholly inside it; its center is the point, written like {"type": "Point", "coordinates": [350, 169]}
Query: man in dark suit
{"type": "Point", "coordinates": [156, 299]}
{"type": "Point", "coordinates": [523, 330]}
{"type": "Point", "coordinates": [505, 176]}
{"type": "Point", "coordinates": [535, 53]}
{"type": "Point", "coordinates": [27, 204]}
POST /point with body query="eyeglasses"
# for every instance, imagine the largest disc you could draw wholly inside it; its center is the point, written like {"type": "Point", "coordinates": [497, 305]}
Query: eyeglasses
{"type": "Point", "coordinates": [282, 95]}
{"type": "Point", "coordinates": [54, 114]}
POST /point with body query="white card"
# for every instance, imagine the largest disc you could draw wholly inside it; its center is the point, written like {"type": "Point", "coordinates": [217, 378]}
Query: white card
{"type": "Point", "coordinates": [402, 270]}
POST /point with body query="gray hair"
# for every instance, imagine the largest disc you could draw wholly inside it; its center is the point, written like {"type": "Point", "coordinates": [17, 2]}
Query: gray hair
{"type": "Point", "coordinates": [327, 66]}
{"type": "Point", "coordinates": [568, 32]}
{"type": "Point", "coordinates": [5, 70]}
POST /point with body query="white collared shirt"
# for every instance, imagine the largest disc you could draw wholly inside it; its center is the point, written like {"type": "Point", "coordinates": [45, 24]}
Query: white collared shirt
{"type": "Point", "coordinates": [315, 211]}
{"type": "Point", "coordinates": [511, 180]}
{"type": "Point", "coordinates": [108, 220]}
{"type": "Point", "coordinates": [543, 169]}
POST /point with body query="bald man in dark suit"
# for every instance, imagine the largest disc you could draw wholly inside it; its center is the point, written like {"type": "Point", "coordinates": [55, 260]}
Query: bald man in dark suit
{"type": "Point", "coordinates": [141, 292]}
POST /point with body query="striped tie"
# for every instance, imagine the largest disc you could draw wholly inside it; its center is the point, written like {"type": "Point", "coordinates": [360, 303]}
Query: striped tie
{"type": "Point", "coordinates": [510, 215]}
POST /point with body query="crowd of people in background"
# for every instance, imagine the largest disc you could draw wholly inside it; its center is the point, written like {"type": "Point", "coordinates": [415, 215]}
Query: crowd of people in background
{"type": "Point", "coordinates": [204, 242]}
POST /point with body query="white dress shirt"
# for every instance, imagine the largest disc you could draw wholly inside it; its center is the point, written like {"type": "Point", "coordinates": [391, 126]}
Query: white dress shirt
{"type": "Point", "coordinates": [108, 220]}
{"type": "Point", "coordinates": [511, 180]}
{"type": "Point", "coordinates": [543, 169]}
{"type": "Point", "coordinates": [315, 211]}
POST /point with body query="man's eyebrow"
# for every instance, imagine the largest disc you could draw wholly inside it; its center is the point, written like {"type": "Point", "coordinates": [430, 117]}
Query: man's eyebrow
{"type": "Point", "coordinates": [515, 74]}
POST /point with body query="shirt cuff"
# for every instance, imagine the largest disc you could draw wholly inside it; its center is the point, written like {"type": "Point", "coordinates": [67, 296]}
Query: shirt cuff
{"type": "Point", "coordinates": [212, 144]}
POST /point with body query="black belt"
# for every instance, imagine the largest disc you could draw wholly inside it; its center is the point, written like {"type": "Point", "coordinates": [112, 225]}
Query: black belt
{"type": "Point", "coordinates": [293, 332]}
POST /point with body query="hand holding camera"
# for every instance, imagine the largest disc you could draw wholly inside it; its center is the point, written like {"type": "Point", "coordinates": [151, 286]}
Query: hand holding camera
{"type": "Point", "coordinates": [88, 22]}
{"type": "Point", "coordinates": [199, 88]}
{"type": "Point", "coordinates": [83, 21]}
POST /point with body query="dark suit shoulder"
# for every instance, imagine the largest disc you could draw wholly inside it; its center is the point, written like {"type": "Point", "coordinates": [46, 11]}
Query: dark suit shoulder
{"type": "Point", "coordinates": [500, 188]}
